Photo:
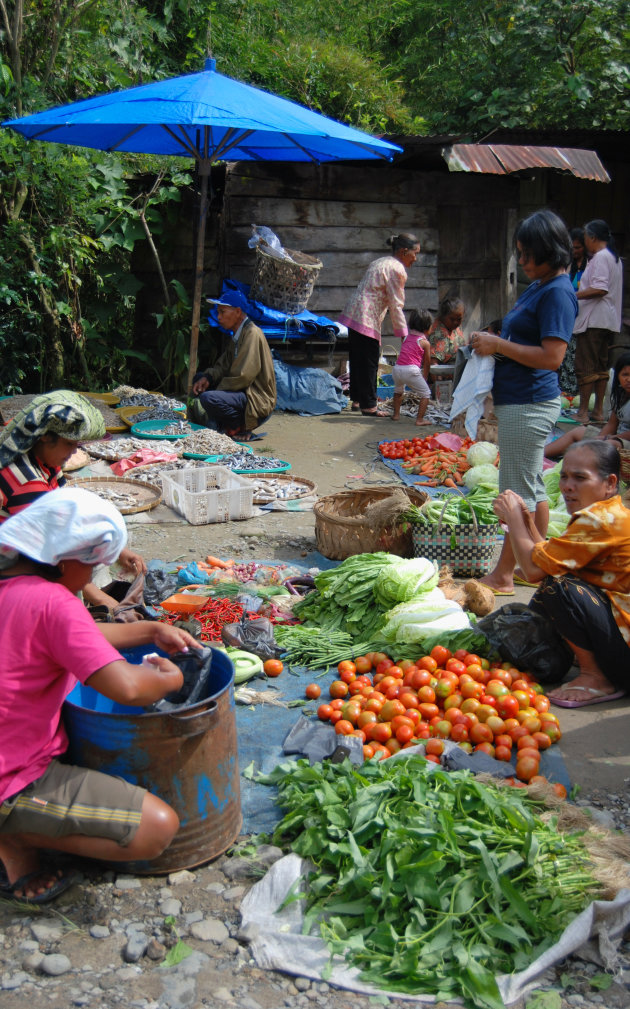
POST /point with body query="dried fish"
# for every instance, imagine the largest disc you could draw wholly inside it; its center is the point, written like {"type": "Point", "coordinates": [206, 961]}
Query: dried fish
{"type": "Point", "coordinates": [120, 448]}
{"type": "Point", "coordinates": [158, 413]}
{"type": "Point", "coordinates": [208, 442]}
{"type": "Point", "coordinates": [251, 462]}
{"type": "Point", "coordinates": [152, 474]}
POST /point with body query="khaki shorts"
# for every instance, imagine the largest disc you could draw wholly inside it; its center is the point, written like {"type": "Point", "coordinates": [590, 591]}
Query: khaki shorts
{"type": "Point", "coordinates": [73, 800]}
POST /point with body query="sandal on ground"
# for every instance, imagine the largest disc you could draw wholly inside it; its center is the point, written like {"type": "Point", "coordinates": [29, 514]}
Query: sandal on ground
{"type": "Point", "coordinates": [59, 886]}
{"type": "Point", "coordinates": [593, 696]}
{"type": "Point", "coordinates": [373, 413]}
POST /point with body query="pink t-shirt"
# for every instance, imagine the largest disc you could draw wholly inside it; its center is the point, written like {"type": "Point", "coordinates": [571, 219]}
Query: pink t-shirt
{"type": "Point", "coordinates": [411, 351]}
{"type": "Point", "coordinates": [48, 641]}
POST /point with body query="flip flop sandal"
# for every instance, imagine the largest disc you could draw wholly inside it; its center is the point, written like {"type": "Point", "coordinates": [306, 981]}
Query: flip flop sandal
{"type": "Point", "coordinates": [373, 413]}
{"type": "Point", "coordinates": [63, 883]}
{"type": "Point", "coordinates": [597, 697]}
{"type": "Point", "coordinates": [523, 581]}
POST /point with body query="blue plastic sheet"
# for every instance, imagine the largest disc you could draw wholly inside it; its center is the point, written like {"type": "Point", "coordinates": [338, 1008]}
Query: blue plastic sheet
{"type": "Point", "coordinates": [279, 325]}
{"type": "Point", "coordinates": [307, 390]}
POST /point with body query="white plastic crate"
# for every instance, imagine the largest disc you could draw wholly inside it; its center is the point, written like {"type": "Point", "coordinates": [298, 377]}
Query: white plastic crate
{"type": "Point", "coordinates": [208, 494]}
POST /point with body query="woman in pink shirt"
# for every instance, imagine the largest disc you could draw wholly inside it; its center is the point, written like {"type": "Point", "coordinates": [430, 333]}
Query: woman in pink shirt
{"type": "Point", "coordinates": [412, 366]}
{"type": "Point", "coordinates": [382, 288]}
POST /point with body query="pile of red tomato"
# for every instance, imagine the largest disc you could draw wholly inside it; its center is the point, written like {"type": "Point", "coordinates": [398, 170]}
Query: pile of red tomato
{"type": "Point", "coordinates": [489, 707]}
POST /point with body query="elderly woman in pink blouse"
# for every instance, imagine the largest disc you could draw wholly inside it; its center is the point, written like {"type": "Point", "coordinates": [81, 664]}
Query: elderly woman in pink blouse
{"type": "Point", "coordinates": [382, 288]}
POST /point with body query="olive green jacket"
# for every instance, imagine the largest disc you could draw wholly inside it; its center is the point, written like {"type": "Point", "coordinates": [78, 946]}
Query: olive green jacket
{"type": "Point", "coordinates": [247, 367]}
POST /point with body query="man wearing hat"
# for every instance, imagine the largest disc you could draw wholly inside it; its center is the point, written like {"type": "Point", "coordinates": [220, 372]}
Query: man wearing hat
{"type": "Point", "coordinates": [238, 393]}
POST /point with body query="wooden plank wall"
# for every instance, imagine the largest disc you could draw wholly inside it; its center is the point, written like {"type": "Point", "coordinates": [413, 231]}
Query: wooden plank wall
{"type": "Point", "coordinates": [341, 214]}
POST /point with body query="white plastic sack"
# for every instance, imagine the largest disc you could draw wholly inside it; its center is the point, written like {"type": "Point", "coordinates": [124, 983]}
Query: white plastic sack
{"type": "Point", "coordinates": [278, 944]}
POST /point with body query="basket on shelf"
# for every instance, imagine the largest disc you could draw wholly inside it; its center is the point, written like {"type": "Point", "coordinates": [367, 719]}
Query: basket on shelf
{"type": "Point", "coordinates": [284, 284]}
{"type": "Point", "coordinates": [468, 548]}
{"type": "Point", "coordinates": [342, 528]}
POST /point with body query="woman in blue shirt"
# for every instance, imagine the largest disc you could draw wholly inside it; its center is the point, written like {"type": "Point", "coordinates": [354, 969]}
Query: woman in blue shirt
{"type": "Point", "coordinates": [528, 353]}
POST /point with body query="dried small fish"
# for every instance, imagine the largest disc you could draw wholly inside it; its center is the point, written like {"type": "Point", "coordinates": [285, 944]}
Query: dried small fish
{"type": "Point", "coordinates": [251, 462]}
{"type": "Point", "coordinates": [158, 413]}
{"type": "Point", "coordinates": [121, 448]}
{"type": "Point", "coordinates": [152, 474]}
{"type": "Point", "coordinates": [208, 442]}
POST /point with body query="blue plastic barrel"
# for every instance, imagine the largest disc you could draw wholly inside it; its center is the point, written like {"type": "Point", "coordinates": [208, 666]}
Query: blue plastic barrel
{"type": "Point", "coordinates": [188, 757]}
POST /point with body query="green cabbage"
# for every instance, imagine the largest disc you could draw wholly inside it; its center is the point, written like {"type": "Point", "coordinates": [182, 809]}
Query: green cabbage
{"type": "Point", "coordinates": [482, 452]}
{"type": "Point", "coordinates": [397, 583]}
{"type": "Point", "coordinates": [485, 474]}
{"type": "Point", "coordinates": [430, 613]}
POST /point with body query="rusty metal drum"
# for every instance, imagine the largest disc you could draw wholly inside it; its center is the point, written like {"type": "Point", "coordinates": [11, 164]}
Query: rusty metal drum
{"type": "Point", "coordinates": [188, 757]}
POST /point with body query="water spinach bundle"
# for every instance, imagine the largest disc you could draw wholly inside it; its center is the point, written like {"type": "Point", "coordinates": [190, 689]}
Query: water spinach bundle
{"type": "Point", "coordinates": [426, 881]}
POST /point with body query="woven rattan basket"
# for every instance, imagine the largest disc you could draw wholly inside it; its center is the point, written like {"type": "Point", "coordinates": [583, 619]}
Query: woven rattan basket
{"type": "Point", "coordinates": [341, 529]}
{"type": "Point", "coordinates": [284, 284]}
{"type": "Point", "coordinates": [624, 455]}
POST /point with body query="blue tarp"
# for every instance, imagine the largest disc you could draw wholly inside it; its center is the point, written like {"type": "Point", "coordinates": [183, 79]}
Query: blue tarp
{"type": "Point", "coordinates": [307, 390]}
{"type": "Point", "coordinates": [279, 325]}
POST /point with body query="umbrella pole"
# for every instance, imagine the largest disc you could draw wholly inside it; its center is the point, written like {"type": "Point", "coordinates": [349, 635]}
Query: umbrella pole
{"type": "Point", "coordinates": [204, 172]}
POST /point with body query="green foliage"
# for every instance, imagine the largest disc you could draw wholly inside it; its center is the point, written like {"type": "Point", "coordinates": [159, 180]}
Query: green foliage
{"type": "Point", "coordinates": [549, 63]}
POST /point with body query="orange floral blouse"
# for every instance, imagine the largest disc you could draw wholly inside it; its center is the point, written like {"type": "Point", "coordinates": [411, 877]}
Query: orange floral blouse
{"type": "Point", "coordinates": [596, 548]}
{"type": "Point", "coordinates": [444, 345]}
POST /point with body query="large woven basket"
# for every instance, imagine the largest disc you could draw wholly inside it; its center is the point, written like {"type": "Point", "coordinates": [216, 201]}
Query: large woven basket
{"type": "Point", "coordinates": [624, 455]}
{"type": "Point", "coordinates": [284, 284]}
{"type": "Point", "coordinates": [342, 530]}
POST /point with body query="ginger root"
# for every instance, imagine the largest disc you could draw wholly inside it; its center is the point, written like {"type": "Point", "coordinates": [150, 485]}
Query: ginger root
{"type": "Point", "coordinates": [472, 595]}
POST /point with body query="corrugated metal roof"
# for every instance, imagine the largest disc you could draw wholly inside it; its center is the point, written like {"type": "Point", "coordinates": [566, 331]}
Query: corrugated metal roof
{"type": "Point", "coordinates": [501, 159]}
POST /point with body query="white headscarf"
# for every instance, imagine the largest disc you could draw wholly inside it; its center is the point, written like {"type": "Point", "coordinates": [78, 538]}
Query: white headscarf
{"type": "Point", "coordinates": [66, 524]}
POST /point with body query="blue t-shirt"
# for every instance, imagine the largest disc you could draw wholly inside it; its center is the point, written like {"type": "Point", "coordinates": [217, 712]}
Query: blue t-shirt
{"type": "Point", "coordinates": [543, 310]}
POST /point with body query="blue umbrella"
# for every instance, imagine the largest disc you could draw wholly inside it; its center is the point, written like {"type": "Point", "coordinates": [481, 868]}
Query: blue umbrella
{"type": "Point", "coordinates": [208, 117]}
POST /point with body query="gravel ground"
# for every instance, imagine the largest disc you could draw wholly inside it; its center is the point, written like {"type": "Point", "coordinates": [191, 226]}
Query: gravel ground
{"type": "Point", "coordinates": [104, 942]}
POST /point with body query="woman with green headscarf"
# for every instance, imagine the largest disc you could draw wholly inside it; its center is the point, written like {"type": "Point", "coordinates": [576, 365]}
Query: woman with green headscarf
{"type": "Point", "coordinates": [33, 448]}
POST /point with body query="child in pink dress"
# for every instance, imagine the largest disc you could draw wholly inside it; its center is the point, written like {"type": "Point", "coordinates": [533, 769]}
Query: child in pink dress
{"type": "Point", "coordinates": [412, 366]}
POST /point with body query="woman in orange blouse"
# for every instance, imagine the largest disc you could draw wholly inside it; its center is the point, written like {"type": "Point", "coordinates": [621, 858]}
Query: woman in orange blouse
{"type": "Point", "coordinates": [584, 574]}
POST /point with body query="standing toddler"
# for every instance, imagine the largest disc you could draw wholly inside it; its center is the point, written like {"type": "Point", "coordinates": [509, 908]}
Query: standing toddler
{"type": "Point", "coordinates": [412, 366]}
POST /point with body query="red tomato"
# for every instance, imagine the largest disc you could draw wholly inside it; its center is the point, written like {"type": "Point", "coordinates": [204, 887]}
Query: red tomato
{"type": "Point", "coordinates": [273, 667]}
{"type": "Point", "coordinates": [427, 662]}
{"type": "Point", "coordinates": [404, 733]}
{"type": "Point", "coordinates": [344, 727]}
{"type": "Point", "coordinates": [507, 706]}
{"type": "Point", "coordinates": [363, 664]}
{"type": "Point", "coordinates": [346, 674]}
{"type": "Point", "coordinates": [440, 654]}
{"type": "Point", "coordinates": [324, 712]}
{"type": "Point", "coordinates": [313, 690]}
{"type": "Point", "coordinates": [459, 733]}
{"type": "Point", "coordinates": [455, 666]}
{"type": "Point", "coordinates": [338, 689]}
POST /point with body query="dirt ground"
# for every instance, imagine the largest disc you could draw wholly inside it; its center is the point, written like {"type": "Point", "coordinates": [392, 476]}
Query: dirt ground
{"type": "Point", "coordinates": [339, 452]}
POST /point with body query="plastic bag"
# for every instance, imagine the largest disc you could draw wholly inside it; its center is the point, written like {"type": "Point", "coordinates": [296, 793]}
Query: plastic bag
{"type": "Point", "coordinates": [143, 457]}
{"type": "Point", "coordinates": [159, 585]}
{"type": "Point", "coordinates": [193, 575]}
{"type": "Point", "coordinates": [320, 742]}
{"type": "Point", "coordinates": [254, 636]}
{"type": "Point", "coordinates": [196, 666]}
{"type": "Point", "coordinates": [528, 640]}
{"type": "Point", "coordinates": [268, 238]}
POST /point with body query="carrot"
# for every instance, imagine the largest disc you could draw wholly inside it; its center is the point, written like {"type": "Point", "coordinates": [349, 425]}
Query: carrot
{"type": "Point", "coordinates": [216, 562]}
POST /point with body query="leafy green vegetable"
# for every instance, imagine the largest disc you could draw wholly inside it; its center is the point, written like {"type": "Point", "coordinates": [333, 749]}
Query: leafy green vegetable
{"type": "Point", "coordinates": [397, 583]}
{"type": "Point", "coordinates": [344, 597]}
{"type": "Point", "coordinates": [484, 474]}
{"type": "Point", "coordinates": [430, 613]}
{"type": "Point", "coordinates": [428, 881]}
{"type": "Point", "coordinates": [482, 452]}
{"type": "Point", "coordinates": [452, 510]}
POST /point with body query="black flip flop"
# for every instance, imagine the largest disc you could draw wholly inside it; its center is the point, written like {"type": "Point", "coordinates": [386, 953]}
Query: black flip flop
{"type": "Point", "coordinates": [63, 883]}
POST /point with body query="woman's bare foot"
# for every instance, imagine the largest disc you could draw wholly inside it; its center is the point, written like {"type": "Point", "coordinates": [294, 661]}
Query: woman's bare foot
{"type": "Point", "coordinates": [18, 858]}
{"type": "Point", "coordinates": [582, 418]}
{"type": "Point", "coordinates": [423, 423]}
